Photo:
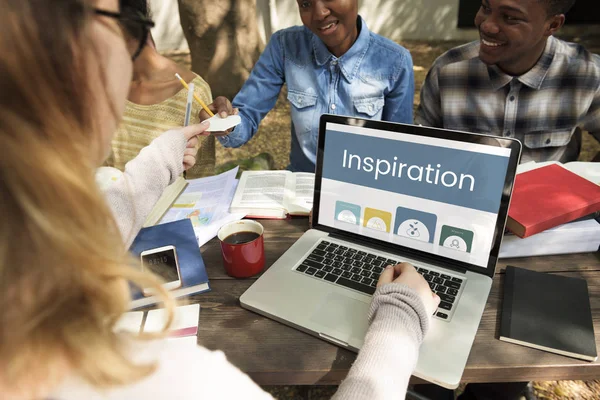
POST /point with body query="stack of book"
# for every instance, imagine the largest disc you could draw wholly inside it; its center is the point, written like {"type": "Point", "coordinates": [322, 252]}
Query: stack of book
{"type": "Point", "coordinates": [555, 209]}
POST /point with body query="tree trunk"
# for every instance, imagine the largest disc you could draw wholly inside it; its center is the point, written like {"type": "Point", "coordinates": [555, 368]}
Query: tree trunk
{"type": "Point", "coordinates": [223, 39]}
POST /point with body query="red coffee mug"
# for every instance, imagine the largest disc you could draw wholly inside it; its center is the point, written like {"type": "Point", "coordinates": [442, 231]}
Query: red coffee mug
{"type": "Point", "coordinates": [243, 248]}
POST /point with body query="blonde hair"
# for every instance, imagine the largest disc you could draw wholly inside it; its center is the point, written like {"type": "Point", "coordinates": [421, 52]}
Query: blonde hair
{"type": "Point", "coordinates": [64, 271]}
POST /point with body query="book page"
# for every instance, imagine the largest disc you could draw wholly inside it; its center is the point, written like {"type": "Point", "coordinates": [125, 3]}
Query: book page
{"type": "Point", "coordinates": [261, 190]}
{"type": "Point", "coordinates": [207, 232]}
{"type": "Point", "coordinates": [303, 189]}
{"type": "Point", "coordinates": [204, 200]}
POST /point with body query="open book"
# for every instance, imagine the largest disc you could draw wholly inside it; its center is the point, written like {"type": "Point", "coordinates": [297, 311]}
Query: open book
{"type": "Point", "coordinates": [273, 194]}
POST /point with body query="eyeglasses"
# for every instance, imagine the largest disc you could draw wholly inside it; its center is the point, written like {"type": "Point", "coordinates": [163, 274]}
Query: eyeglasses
{"type": "Point", "coordinates": [136, 26]}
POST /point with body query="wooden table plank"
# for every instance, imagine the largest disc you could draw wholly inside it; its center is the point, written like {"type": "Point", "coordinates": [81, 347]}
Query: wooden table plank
{"type": "Point", "coordinates": [270, 352]}
{"type": "Point", "coordinates": [280, 235]}
{"type": "Point", "coordinates": [275, 354]}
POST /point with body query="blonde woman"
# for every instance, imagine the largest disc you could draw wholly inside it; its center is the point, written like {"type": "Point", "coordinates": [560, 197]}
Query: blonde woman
{"type": "Point", "coordinates": [64, 76]}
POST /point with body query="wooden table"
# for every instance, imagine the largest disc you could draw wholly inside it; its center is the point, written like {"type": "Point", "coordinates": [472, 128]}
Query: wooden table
{"type": "Point", "coordinates": [275, 354]}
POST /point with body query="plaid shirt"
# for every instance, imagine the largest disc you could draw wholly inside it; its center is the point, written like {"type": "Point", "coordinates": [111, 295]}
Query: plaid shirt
{"type": "Point", "coordinates": [543, 108]}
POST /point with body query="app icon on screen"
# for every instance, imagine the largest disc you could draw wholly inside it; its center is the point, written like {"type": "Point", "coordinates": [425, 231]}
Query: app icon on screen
{"type": "Point", "coordinates": [415, 224]}
{"type": "Point", "coordinates": [347, 212]}
{"type": "Point", "coordinates": [377, 219]}
{"type": "Point", "coordinates": [456, 238]}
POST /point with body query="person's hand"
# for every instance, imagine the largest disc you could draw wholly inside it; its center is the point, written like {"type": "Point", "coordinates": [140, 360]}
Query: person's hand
{"type": "Point", "coordinates": [406, 274]}
{"type": "Point", "coordinates": [191, 134]}
{"type": "Point", "coordinates": [222, 107]}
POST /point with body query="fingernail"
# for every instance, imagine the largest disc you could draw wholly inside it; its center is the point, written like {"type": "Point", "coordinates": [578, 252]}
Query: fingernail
{"type": "Point", "coordinates": [388, 267]}
{"type": "Point", "coordinates": [223, 114]}
{"type": "Point", "coordinates": [205, 123]}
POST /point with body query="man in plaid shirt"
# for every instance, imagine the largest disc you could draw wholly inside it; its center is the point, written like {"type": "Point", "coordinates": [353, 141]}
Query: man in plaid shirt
{"type": "Point", "coordinates": [518, 81]}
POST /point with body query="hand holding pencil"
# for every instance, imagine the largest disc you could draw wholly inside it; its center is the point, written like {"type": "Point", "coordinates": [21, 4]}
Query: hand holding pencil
{"type": "Point", "coordinates": [221, 105]}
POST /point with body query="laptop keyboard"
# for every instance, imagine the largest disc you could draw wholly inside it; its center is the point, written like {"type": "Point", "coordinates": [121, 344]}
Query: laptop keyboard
{"type": "Point", "coordinates": [360, 271]}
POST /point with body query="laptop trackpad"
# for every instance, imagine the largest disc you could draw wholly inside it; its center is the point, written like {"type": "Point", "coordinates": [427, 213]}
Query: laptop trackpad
{"type": "Point", "coordinates": [342, 317]}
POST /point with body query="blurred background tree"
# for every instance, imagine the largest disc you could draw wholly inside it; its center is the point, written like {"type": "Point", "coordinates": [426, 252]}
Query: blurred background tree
{"type": "Point", "coordinates": [223, 39]}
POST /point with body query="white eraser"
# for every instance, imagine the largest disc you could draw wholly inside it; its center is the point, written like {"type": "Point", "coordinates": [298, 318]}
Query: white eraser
{"type": "Point", "coordinates": [218, 124]}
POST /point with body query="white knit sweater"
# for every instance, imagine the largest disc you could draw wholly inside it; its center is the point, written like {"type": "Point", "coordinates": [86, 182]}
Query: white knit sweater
{"type": "Point", "coordinates": [398, 320]}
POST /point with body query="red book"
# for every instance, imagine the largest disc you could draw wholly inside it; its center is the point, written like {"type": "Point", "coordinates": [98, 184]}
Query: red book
{"type": "Point", "coordinates": [547, 197]}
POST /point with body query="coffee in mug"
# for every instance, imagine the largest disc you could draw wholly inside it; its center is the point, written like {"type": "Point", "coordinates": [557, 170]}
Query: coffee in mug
{"type": "Point", "coordinates": [242, 247]}
{"type": "Point", "coordinates": [241, 237]}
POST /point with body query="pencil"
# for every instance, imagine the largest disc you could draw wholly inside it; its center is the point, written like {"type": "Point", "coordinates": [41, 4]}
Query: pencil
{"type": "Point", "coordinates": [185, 85]}
{"type": "Point", "coordinates": [188, 106]}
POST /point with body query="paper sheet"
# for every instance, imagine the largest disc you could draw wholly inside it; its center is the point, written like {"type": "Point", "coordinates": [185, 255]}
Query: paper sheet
{"type": "Point", "coordinates": [130, 322]}
{"type": "Point", "coordinates": [585, 169]}
{"type": "Point", "coordinates": [185, 322]}
{"type": "Point", "coordinates": [186, 342]}
{"type": "Point", "coordinates": [207, 232]}
{"type": "Point", "coordinates": [206, 203]}
{"type": "Point", "coordinates": [218, 124]}
{"type": "Point", "coordinates": [203, 199]}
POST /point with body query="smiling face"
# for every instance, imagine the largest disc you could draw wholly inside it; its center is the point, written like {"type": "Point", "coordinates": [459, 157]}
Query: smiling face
{"type": "Point", "coordinates": [333, 21]}
{"type": "Point", "coordinates": [514, 33]}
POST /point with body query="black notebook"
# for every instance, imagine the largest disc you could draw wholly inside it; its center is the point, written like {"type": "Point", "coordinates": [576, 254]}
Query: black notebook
{"type": "Point", "coordinates": [548, 312]}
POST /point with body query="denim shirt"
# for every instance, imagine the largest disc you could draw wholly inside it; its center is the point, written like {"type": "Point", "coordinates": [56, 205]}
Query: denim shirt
{"type": "Point", "coordinates": [373, 79]}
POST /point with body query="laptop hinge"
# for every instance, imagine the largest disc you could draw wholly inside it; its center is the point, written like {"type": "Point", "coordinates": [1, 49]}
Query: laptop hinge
{"type": "Point", "coordinates": [389, 249]}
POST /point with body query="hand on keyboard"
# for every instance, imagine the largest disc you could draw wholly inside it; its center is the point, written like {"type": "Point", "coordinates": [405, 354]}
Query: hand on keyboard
{"type": "Point", "coordinates": [406, 274]}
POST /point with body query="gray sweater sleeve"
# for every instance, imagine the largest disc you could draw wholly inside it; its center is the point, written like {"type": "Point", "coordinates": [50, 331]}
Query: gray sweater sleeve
{"type": "Point", "coordinates": [398, 323]}
{"type": "Point", "coordinates": [132, 197]}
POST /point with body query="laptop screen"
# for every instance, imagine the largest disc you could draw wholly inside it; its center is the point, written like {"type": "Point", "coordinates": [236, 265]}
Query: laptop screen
{"type": "Point", "coordinates": [432, 194]}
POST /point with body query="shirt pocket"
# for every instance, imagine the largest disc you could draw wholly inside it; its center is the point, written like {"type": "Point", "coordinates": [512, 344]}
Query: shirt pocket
{"type": "Point", "coordinates": [543, 139]}
{"type": "Point", "coordinates": [371, 106]}
{"type": "Point", "coordinates": [303, 110]}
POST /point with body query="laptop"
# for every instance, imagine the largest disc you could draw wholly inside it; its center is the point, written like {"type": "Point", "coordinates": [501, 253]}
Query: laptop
{"type": "Point", "coordinates": [388, 193]}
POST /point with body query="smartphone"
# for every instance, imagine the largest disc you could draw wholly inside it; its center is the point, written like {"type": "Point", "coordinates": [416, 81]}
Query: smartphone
{"type": "Point", "coordinates": [163, 262]}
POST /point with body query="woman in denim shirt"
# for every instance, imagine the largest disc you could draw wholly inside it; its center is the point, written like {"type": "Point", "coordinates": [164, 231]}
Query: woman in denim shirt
{"type": "Point", "coordinates": [333, 64]}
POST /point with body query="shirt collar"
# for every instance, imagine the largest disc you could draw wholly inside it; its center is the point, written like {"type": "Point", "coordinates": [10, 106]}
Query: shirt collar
{"type": "Point", "coordinates": [532, 78]}
{"type": "Point", "coordinates": [535, 76]}
{"type": "Point", "coordinates": [351, 60]}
